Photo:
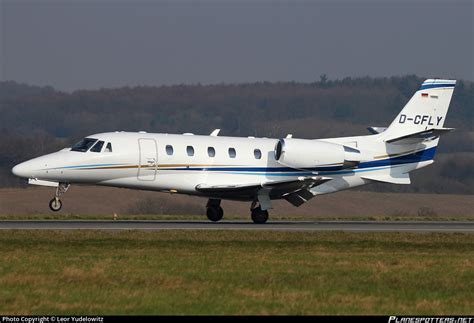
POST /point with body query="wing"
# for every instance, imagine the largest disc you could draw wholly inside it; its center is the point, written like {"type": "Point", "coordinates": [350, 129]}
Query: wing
{"type": "Point", "coordinates": [295, 191]}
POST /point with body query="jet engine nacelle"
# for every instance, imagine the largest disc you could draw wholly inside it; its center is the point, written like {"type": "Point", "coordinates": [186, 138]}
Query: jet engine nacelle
{"type": "Point", "coordinates": [303, 153]}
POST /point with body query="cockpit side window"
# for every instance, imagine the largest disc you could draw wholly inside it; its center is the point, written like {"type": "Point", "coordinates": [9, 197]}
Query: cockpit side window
{"type": "Point", "coordinates": [84, 144]}
{"type": "Point", "coordinates": [108, 148]}
{"type": "Point", "coordinates": [97, 147]}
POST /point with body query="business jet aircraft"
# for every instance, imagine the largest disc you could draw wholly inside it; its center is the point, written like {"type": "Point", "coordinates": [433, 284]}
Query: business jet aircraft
{"type": "Point", "coordinates": [257, 170]}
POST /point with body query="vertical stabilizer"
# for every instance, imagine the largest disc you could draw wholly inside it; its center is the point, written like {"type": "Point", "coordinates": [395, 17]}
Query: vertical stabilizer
{"type": "Point", "coordinates": [426, 110]}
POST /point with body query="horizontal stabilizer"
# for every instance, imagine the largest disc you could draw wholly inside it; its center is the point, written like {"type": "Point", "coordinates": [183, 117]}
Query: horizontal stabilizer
{"type": "Point", "coordinates": [401, 178]}
{"type": "Point", "coordinates": [421, 135]}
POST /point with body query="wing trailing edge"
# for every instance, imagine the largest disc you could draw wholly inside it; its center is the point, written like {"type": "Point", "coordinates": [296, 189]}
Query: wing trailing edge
{"type": "Point", "coordinates": [294, 191]}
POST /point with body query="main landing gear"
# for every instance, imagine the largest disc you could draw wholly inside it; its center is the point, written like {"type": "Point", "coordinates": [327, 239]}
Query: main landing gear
{"type": "Point", "coordinates": [55, 204]}
{"type": "Point", "coordinates": [215, 212]}
{"type": "Point", "coordinates": [259, 216]}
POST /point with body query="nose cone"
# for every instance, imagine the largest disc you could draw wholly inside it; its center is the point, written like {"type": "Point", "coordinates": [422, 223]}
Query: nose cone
{"type": "Point", "coordinates": [22, 170]}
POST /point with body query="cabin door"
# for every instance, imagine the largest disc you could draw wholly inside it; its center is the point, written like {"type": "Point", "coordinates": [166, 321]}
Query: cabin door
{"type": "Point", "coordinates": [148, 161]}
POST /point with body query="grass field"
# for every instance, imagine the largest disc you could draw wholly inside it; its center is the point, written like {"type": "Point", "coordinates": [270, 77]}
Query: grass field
{"type": "Point", "coordinates": [217, 272]}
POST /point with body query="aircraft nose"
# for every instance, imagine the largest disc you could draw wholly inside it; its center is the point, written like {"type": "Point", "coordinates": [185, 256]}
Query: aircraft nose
{"type": "Point", "coordinates": [22, 170]}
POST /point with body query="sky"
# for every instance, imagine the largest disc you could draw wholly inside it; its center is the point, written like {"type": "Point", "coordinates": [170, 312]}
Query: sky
{"type": "Point", "coordinates": [84, 44]}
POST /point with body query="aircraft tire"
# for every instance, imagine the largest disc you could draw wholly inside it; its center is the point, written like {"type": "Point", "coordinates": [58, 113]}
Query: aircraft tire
{"type": "Point", "coordinates": [215, 213]}
{"type": "Point", "coordinates": [259, 216]}
{"type": "Point", "coordinates": [55, 204]}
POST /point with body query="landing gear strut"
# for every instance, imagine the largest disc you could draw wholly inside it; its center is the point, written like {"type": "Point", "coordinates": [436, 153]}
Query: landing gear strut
{"type": "Point", "coordinates": [214, 210]}
{"type": "Point", "coordinates": [55, 204]}
{"type": "Point", "coordinates": [259, 216]}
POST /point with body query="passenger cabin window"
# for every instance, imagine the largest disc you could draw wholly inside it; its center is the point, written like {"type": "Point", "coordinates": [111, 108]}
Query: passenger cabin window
{"type": "Point", "coordinates": [190, 150]}
{"type": "Point", "coordinates": [232, 153]}
{"type": "Point", "coordinates": [169, 150]}
{"type": "Point", "coordinates": [211, 152]}
{"type": "Point", "coordinates": [257, 153]}
{"type": "Point", "coordinates": [97, 147]}
{"type": "Point", "coordinates": [83, 145]}
{"type": "Point", "coordinates": [108, 148]}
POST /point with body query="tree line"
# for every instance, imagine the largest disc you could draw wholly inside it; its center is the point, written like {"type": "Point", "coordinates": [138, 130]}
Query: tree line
{"type": "Point", "coordinates": [36, 120]}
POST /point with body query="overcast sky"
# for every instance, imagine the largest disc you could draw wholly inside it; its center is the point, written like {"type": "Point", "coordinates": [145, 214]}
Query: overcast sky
{"type": "Point", "coordinates": [91, 44]}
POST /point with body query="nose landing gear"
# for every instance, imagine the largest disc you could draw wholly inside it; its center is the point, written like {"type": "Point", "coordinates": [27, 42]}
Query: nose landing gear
{"type": "Point", "coordinates": [55, 204]}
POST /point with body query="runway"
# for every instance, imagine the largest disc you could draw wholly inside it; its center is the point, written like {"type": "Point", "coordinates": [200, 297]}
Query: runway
{"type": "Point", "coordinates": [352, 226]}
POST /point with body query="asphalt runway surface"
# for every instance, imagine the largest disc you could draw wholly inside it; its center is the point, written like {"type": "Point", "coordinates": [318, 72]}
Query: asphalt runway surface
{"type": "Point", "coordinates": [352, 226]}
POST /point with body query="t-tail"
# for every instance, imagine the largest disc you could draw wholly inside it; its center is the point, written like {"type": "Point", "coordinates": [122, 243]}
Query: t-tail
{"type": "Point", "coordinates": [423, 116]}
{"type": "Point", "coordinates": [412, 138]}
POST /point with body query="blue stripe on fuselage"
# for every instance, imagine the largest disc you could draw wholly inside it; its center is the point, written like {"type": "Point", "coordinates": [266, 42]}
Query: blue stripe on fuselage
{"type": "Point", "coordinates": [416, 157]}
{"type": "Point", "coordinates": [257, 169]}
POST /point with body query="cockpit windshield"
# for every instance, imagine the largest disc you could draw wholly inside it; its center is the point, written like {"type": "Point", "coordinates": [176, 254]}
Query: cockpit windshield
{"type": "Point", "coordinates": [97, 147]}
{"type": "Point", "coordinates": [84, 144]}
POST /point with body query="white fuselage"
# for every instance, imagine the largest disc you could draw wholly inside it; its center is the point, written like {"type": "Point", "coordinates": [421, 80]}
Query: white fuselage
{"type": "Point", "coordinates": [142, 161]}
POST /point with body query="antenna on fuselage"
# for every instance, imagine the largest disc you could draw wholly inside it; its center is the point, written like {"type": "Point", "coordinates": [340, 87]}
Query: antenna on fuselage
{"type": "Point", "coordinates": [215, 132]}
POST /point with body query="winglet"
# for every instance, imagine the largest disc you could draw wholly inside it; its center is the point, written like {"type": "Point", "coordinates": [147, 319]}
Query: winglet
{"type": "Point", "coordinates": [215, 132]}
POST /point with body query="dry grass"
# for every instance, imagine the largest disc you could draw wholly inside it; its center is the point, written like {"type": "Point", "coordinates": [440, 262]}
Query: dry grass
{"type": "Point", "coordinates": [203, 272]}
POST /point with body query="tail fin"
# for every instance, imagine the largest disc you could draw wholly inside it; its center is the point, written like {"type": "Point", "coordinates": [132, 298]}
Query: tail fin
{"type": "Point", "coordinates": [424, 114]}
